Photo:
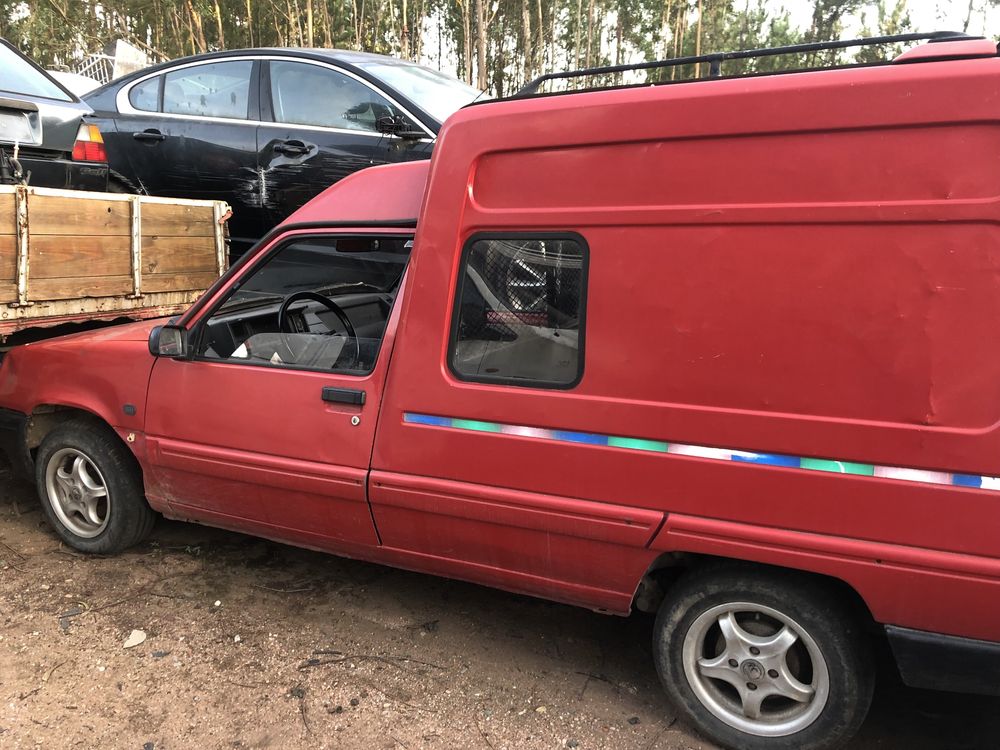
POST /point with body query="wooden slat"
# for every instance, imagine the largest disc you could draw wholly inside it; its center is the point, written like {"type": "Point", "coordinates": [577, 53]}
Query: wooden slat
{"type": "Point", "coordinates": [170, 282]}
{"type": "Point", "coordinates": [95, 286]}
{"type": "Point", "coordinates": [166, 220]}
{"type": "Point", "coordinates": [178, 254]}
{"type": "Point", "coordinates": [55, 256]}
{"type": "Point", "coordinates": [8, 268]}
{"type": "Point", "coordinates": [8, 219]}
{"type": "Point", "coordinates": [49, 214]}
{"type": "Point", "coordinates": [8, 259]}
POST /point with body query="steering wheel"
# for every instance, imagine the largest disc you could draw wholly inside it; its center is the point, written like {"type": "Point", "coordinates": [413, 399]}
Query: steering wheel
{"type": "Point", "coordinates": [330, 305]}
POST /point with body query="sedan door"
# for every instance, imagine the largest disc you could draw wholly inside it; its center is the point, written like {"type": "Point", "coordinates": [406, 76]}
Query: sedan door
{"type": "Point", "coordinates": [318, 126]}
{"type": "Point", "coordinates": [191, 132]}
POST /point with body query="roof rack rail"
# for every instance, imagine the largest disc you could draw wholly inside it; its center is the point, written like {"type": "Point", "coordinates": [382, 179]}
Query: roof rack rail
{"type": "Point", "coordinates": [716, 59]}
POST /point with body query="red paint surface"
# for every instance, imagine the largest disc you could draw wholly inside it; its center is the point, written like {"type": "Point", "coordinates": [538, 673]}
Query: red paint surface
{"type": "Point", "coordinates": [803, 264]}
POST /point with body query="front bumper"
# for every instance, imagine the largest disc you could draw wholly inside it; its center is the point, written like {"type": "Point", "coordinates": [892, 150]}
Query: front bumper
{"type": "Point", "coordinates": [65, 174]}
{"type": "Point", "coordinates": [945, 662]}
{"type": "Point", "coordinates": [14, 442]}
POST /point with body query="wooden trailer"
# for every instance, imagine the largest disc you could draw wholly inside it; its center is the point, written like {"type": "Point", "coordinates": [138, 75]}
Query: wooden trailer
{"type": "Point", "coordinates": [72, 256]}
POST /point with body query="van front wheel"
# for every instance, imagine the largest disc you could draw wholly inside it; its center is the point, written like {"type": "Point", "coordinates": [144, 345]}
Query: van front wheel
{"type": "Point", "coordinates": [761, 660]}
{"type": "Point", "coordinates": [91, 488]}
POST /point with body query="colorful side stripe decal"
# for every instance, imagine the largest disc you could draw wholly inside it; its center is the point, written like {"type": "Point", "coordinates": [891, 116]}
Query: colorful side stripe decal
{"type": "Point", "coordinates": [718, 454]}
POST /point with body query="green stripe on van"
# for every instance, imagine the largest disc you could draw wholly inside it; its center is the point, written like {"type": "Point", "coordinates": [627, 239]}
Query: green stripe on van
{"type": "Point", "coordinates": [837, 467]}
{"type": "Point", "coordinates": [638, 444]}
{"type": "Point", "coordinates": [475, 425]}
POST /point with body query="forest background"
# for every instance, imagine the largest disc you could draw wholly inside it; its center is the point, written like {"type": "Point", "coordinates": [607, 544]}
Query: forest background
{"type": "Point", "coordinates": [496, 45]}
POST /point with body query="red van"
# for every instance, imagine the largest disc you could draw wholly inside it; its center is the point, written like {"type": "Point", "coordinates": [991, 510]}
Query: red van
{"type": "Point", "coordinates": [725, 350]}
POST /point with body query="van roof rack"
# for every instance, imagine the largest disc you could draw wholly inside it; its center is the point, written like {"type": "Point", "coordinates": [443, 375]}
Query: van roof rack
{"type": "Point", "coordinates": [715, 59]}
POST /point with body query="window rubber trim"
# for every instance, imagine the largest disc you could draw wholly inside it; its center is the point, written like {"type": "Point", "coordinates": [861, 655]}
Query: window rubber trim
{"type": "Point", "coordinates": [333, 228]}
{"type": "Point", "coordinates": [456, 308]}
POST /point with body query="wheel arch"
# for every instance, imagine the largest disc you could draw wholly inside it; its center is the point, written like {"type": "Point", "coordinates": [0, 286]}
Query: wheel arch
{"type": "Point", "coordinates": [655, 584]}
{"type": "Point", "coordinates": [45, 417]}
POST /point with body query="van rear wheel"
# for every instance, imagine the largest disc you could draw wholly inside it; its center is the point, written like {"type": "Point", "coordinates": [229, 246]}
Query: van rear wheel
{"type": "Point", "coordinates": [762, 660]}
{"type": "Point", "coordinates": [91, 489]}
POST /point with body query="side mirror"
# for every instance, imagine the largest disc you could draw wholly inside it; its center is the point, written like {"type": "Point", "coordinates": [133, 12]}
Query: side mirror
{"type": "Point", "coordinates": [168, 341]}
{"type": "Point", "coordinates": [398, 126]}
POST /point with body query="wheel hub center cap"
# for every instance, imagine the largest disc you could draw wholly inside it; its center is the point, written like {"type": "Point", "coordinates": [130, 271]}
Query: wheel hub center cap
{"type": "Point", "coordinates": [752, 670]}
{"type": "Point", "coordinates": [75, 494]}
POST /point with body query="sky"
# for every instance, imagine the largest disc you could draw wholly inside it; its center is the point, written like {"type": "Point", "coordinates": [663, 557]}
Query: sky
{"type": "Point", "coordinates": [926, 15]}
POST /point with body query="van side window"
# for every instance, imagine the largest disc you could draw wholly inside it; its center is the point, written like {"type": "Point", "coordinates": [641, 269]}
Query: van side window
{"type": "Point", "coordinates": [519, 318]}
{"type": "Point", "coordinates": [317, 303]}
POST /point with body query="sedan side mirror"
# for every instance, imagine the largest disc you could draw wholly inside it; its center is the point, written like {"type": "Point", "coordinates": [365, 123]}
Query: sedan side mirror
{"type": "Point", "coordinates": [398, 126]}
{"type": "Point", "coordinates": [168, 341]}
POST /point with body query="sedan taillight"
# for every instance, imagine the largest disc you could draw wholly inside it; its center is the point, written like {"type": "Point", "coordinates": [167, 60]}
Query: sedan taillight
{"type": "Point", "coordinates": [89, 144]}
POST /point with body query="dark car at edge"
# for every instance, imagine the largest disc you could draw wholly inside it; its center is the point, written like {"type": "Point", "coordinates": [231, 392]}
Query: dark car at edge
{"type": "Point", "coordinates": [44, 140]}
{"type": "Point", "coordinates": [268, 129]}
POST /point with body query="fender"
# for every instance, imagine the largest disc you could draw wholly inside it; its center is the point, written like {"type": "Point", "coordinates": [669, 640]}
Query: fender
{"type": "Point", "coordinates": [923, 589]}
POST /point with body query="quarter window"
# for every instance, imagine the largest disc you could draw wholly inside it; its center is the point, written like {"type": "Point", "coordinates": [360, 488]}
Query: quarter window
{"type": "Point", "coordinates": [520, 311]}
{"type": "Point", "coordinates": [211, 90]}
{"type": "Point", "coordinates": [304, 94]}
{"type": "Point", "coordinates": [146, 95]}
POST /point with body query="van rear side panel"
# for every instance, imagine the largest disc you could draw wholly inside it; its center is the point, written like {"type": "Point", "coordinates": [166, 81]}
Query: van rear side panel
{"type": "Point", "coordinates": [789, 278]}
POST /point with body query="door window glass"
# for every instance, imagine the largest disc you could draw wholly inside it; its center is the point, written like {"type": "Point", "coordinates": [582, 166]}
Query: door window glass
{"type": "Point", "coordinates": [212, 90]}
{"type": "Point", "coordinates": [520, 311]}
{"type": "Point", "coordinates": [317, 303]}
{"type": "Point", "coordinates": [304, 94]}
{"type": "Point", "coordinates": [146, 95]}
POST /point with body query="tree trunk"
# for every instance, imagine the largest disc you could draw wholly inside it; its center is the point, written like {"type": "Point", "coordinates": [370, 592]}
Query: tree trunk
{"type": "Point", "coordinates": [697, 42]}
{"type": "Point", "coordinates": [590, 32]}
{"type": "Point", "coordinates": [540, 42]}
{"type": "Point", "coordinates": [218, 23]}
{"type": "Point", "coordinates": [619, 33]}
{"type": "Point", "coordinates": [467, 40]}
{"type": "Point", "coordinates": [665, 27]}
{"type": "Point", "coordinates": [526, 40]}
{"type": "Point", "coordinates": [576, 41]}
{"type": "Point", "coordinates": [250, 21]}
{"type": "Point", "coordinates": [482, 80]}
{"type": "Point", "coordinates": [198, 43]}
{"type": "Point", "coordinates": [327, 25]}
{"type": "Point", "coordinates": [404, 34]}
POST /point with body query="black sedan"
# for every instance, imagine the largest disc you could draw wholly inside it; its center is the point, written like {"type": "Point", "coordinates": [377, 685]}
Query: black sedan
{"type": "Point", "coordinates": [44, 140]}
{"type": "Point", "coordinates": [268, 129]}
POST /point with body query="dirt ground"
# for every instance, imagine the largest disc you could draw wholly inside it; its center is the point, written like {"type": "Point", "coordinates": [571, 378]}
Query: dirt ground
{"type": "Point", "coordinates": [251, 644]}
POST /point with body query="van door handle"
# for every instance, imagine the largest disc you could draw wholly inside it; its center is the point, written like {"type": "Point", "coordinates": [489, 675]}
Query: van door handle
{"type": "Point", "coordinates": [344, 395]}
{"type": "Point", "coordinates": [149, 135]}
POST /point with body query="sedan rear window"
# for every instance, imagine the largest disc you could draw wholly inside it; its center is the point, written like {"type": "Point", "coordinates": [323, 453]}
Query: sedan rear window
{"type": "Point", "coordinates": [212, 90]}
{"type": "Point", "coordinates": [18, 76]}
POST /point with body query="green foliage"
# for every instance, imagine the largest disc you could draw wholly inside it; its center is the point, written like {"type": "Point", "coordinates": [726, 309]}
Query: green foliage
{"type": "Point", "coordinates": [516, 40]}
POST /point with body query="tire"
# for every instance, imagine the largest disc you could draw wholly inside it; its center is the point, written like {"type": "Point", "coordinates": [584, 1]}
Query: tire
{"type": "Point", "coordinates": [703, 644]}
{"type": "Point", "coordinates": [118, 183]}
{"type": "Point", "coordinates": [90, 487]}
